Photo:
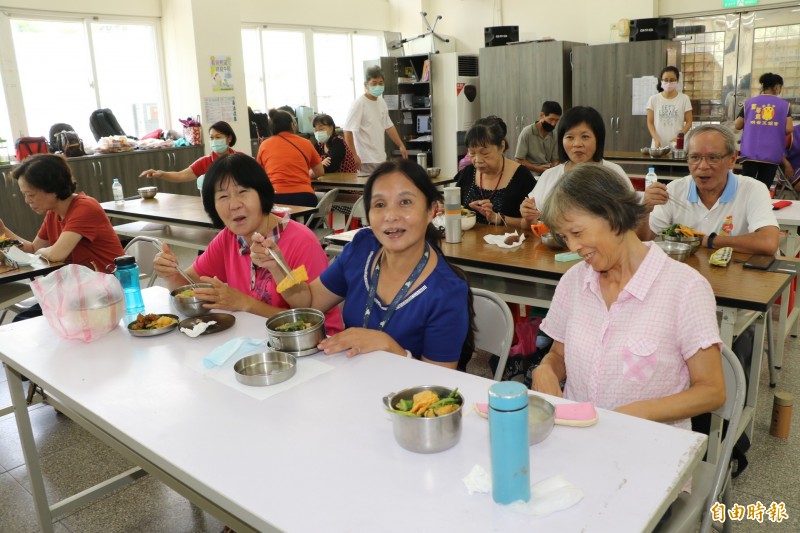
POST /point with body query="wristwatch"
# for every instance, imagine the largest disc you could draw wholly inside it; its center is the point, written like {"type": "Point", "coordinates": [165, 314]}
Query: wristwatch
{"type": "Point", "coordinates": [710, 241]}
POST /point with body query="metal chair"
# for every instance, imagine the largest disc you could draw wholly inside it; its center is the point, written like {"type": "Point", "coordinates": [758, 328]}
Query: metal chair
{"type": "Point", "coordinates": [710, 481]}
{"type": "Point", "coordinates": [318, 222]}
{"type": "Point", "coordinates": [356, 212]}
{"type": "Point", "coordinates": [784, 183]}
{"type": "Point", "coordinates": [494, 326]}
{"type": "Point", "coordinates": [15, 297]}
{"type": "Point", "coordinates": [144, 255]}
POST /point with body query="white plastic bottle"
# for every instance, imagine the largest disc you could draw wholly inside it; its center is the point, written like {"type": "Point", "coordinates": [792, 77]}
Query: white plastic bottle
{"type": "Point", "coordinates": [116, 189]}
{"type": "Point", "coordinates": [651, 177]}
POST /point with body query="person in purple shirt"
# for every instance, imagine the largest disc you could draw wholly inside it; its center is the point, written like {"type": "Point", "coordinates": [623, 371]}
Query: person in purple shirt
{"type": "Point", "coordinates": [767, 121]}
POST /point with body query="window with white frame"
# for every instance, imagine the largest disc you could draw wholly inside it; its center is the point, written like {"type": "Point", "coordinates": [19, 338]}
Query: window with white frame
{"type": "Point", "coordinates": [123, 75]}
{"type": "Point", "coordinates": [318, 68]}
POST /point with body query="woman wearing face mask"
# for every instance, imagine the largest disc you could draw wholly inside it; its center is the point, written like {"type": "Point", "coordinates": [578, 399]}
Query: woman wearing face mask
{"type": "Point", "coordinates": [668, 112]}
{"type": "Point", "coordinates": [336, 155]}
{"type": "Point", "coordinates": [581, 139]}
{"type": "Point", "coordinates": [221, 139]}
{"type": "Point", "coordinates": [766, 120]}
{"type": "Point", "coordinates": [291, 161]}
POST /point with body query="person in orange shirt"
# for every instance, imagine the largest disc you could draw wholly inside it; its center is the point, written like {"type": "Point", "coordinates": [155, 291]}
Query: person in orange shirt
{"type": "Point", "coordinates": [291, 161]}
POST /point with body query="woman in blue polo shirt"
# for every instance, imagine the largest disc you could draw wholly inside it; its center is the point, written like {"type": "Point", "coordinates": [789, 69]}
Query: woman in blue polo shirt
{"type": "Point", "coordinates": [400, 294]}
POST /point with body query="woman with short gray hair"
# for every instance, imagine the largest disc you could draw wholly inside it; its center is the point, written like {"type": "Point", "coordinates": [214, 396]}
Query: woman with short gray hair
{"type": "Point", "coordinates": [633, 330]}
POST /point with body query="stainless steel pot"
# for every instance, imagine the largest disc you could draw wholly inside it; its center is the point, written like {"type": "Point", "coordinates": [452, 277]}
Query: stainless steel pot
{"type": "Point", "coordinates": [296, 341]}
{"type": "Point", "coordinates": [424, 435]}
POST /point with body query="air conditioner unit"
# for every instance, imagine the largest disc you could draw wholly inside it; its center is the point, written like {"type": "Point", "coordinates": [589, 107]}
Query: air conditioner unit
{"type": "Point", "coordinates": [456, 106]}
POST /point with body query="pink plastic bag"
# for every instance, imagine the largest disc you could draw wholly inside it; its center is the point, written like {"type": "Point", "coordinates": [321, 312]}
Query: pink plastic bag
{"type": "Point", "coordinates": [79, 303]}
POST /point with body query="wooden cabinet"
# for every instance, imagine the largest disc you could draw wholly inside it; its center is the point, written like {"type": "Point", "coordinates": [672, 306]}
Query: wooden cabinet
{"type": "Point", "coordinates": [516, 79]}
{"type": "Point", "coordinates": [603, 79]}
{"type": "Point", "coordinates": [411, 79]}
{"type": "Point", "coordinates": [94, 175]}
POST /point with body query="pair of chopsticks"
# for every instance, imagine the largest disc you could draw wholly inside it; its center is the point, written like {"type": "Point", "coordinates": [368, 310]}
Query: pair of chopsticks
{"type": "Point", "coordinates": [679, 203]}
{"type": "Point", "coordinates": [281, 264]}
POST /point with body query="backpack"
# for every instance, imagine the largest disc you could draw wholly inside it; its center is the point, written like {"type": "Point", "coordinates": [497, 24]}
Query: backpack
{"type": "Point", "coordinates": [103, 123]}
{"type": "Point", "coordinates": [69, 142]}
{"type": "Point", "coordinates": [55, 129]}
{"type": "Point", "coordinates": [27, 146]}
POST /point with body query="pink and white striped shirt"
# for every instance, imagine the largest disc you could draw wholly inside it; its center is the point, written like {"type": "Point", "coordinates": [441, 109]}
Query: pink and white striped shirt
{"type": "Point", "coordinates": [636, 349]}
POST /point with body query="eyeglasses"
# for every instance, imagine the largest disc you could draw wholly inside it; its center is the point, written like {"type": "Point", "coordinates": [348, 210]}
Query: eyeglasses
{"type": "Point", "coordinates": [669, 81]}
{"type": "Point", "coordinates": [711, 159]}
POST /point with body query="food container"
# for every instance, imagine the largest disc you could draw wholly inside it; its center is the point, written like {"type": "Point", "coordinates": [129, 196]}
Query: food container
{"type": "Point", "coordinates": [552, 241]}
{"type": "Point", "coordinates": [659, 152]}
{"type": "Point", "coordinates": [541, 419]}
{"type": "Point", "coordinates": [192, 306]}
{"type": "Point", "coordinates": [296, 342]}
{"type": "Point", "coordinates": [147, 192]}
{"type": "Point", "coordinates": [433, 172]}
{"type": "Point", "coordinates": [155, 331]}
{"type": "Point", "coordinates": [265, 368]}
{"type": "Point", "coordinates": [424, 435]}
{"type": "Point", "coordinates": [680, 251]}
{"type": "Point", "coordinates": [679, 154]}
{"type": "Point", "coordinates": [694, 241]}
{"type": "Point", "coordinates": [468, 222]}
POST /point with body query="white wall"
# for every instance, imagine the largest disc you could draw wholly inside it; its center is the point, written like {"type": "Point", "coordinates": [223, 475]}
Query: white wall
{"type": "Point", "coordinates": [361, 14]}
{"type": "Point", "coordinates": [585, 21]}
{"type": "Point", "coordinates": [138, 8]}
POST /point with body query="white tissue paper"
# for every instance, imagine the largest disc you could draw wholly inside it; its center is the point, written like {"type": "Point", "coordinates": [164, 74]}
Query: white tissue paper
{"type": "Point", "coordinates": [198, 328]}
{"type": "Point", "coordinates": [500, 240]}
{"type": "Point", "coordinates": [548, 496]}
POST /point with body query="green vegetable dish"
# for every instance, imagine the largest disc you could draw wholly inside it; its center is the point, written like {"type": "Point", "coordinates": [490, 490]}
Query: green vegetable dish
{"type": "Point", "coordinates": [297, 325]}
{"type": "Point", "coordinates": [427, 404]}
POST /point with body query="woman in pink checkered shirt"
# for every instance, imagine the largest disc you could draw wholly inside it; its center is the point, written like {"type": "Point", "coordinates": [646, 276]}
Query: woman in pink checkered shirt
{"type": "Point", "coordinates": [634, 330]}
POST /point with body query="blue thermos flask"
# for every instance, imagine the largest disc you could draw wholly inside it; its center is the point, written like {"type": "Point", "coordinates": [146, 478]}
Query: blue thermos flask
{"type": "Point", "coordinates": [127, 272]}
{"type": "Point", "coordinates": [508, 437]}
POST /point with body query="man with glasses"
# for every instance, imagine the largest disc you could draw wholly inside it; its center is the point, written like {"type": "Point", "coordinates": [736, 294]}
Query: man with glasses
{"type": "Point", "coordinates": [536, 147]}
{"type": "Point", "coordinates": [731, 210]}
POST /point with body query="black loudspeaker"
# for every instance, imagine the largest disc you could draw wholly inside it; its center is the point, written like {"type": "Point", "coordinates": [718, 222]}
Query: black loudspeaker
{"type": "Point", "coordinates": [500, 35]}
{"type": "Point", "coordinates": [652, 29]}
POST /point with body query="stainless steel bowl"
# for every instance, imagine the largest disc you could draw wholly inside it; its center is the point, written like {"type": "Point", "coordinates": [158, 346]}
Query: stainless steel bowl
{"type": "Point", "coordinates": [694, 242]}
{"type": "Point", "coordinates": [265, 368]}
{"type": "Point", "coordinates": [680, 251]}
{"type": "Point", "coordinates": [424, 435]}
{"type": "Point", "coordinates": [192, 306]}
{"type": "Point", "coordinates": [541, 419]}
{"type": "Point", "coordinates": [296, 341]}
{"type": "Point", "coordinates": [147, 192]}
{"type": "Point", "coordinates": [433, 172]}
{"type": "Point", "coordinates": [552, 241]}
{"type": "Point", "coordinates": [659, 152]}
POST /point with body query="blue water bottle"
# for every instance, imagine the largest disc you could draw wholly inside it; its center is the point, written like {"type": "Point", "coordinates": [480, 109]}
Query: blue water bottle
{"type": "Point", "coordinates": [508, 437]}
{"type": "Point", "coordinates": [127, 273]}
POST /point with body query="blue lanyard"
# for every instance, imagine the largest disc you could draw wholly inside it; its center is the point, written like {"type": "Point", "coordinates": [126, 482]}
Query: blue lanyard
{"type": "Point", "coordinates": [373, 289]}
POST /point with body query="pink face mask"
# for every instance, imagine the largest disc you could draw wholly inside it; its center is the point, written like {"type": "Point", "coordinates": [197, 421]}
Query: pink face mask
{"type": "Point", "coordinates": [669, 86]}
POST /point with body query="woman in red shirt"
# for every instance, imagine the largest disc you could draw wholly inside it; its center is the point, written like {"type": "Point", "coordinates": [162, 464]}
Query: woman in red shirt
{"type": "Point", "coordinates": [75, 227]}
{"type": "Point", "coordinates": [291, 161]}
{"type": "Point", "coordinates": [221, 139]}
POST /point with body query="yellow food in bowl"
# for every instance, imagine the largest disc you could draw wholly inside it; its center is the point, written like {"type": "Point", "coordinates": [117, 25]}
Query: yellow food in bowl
{"type": "Point", "coordinates": [188, 293]}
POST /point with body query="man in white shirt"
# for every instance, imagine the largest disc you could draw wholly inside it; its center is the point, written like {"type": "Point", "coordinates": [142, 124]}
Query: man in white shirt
{"type": "Point", "coordinates": [731, 210]}
{"type": "Point", "coordinates": [536, 147]}
{"type": "Point", "coordinates": [366, 121]}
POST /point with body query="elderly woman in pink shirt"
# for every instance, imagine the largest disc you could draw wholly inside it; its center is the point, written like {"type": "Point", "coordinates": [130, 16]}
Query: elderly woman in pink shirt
{"type": "Point", "coordinates": [634, 330]}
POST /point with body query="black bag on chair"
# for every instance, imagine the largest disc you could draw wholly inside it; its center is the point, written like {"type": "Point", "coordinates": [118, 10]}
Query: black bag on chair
{"type": "Point", "coordinates": [103, 123]}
